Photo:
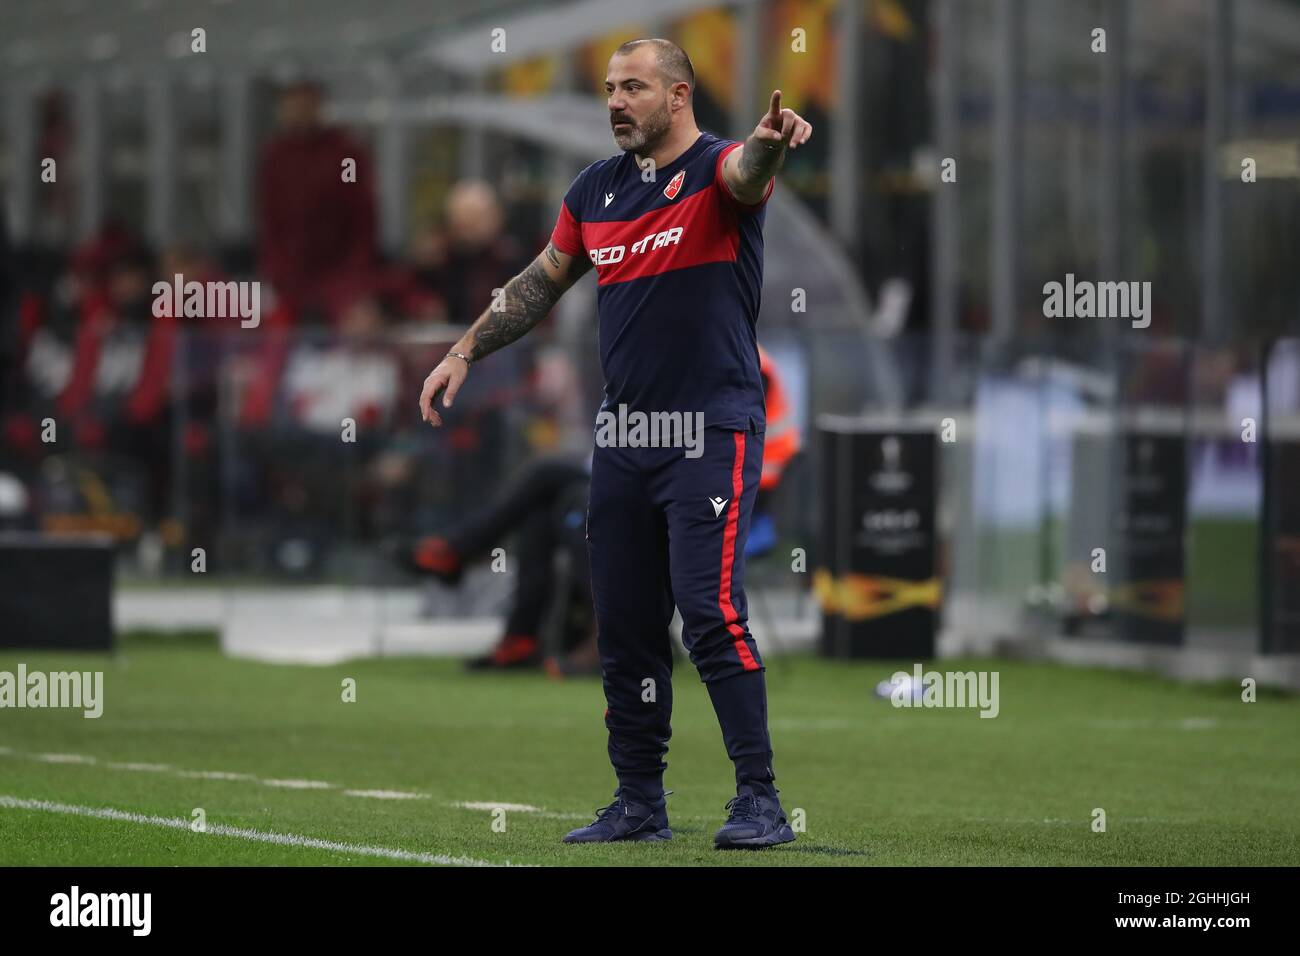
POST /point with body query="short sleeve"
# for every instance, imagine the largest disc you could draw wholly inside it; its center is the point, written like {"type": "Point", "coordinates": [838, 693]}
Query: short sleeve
{"type": "Point", "coordinates": [567, 234]}
{"type": "Point", "coordinates": [721, 185]}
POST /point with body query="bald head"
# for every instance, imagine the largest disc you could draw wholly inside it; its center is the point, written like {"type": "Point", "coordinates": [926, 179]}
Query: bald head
{"type": "Point", "coordinates": [673, 64]}
{"type": "Point", "coordinates": [474, 215]}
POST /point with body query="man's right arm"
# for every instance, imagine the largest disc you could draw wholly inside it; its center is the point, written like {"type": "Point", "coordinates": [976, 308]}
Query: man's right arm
{"type": "Point", "coordinates": [525, 301]}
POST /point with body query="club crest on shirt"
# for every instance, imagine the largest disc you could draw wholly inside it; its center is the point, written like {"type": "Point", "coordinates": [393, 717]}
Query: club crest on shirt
{"type": "Point", "coordinates": [675, 185]}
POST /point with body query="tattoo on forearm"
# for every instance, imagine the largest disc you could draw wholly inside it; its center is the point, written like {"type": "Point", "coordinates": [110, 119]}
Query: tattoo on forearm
{"type": "Point", "coordinates": [760, 161]}
{"type": "Point", "coordinates": [526, 300]}
{"type": "Point", "coordinates": [552, 256]}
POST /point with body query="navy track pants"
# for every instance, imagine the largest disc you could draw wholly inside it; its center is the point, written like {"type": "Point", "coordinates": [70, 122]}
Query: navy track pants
{"type": "Point", "coordinates": [666, 530]}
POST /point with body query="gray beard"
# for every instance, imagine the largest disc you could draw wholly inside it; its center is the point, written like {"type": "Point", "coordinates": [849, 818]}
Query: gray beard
{"type": "Point", "coordinates": [645, 136]}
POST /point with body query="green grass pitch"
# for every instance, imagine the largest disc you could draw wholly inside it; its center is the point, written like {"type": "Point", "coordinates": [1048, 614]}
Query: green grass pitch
{"type": "Point", "coordinates": [1187, 774]}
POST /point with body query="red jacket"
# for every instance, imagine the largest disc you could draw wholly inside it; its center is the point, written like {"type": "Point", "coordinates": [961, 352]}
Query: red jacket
{"type": "Point", "coordinates": [314, 229]}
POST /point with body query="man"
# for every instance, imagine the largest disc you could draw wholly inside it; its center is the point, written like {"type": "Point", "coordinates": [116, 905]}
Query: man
{"type": "Point", "coordinates": [316, 231]}
{"type": "Point", "coordinates": [479, 252]}
{"type": "Point", "coordinates": [673, 226]}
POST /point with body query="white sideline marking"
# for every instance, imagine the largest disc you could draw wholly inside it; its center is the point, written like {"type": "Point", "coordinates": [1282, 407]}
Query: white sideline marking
{"type": "Point", "coordinates": [291, 784]}
{"type": "Point", "coordinates": [386, 794]}
{"type": "Point", "coordinates": [63, 758]}
{"type": "Point", "coordinates": [242, 833]}
{"type": "Point", "coordinates": [141, 767]}
{"type": "Point", "coordinates": [288, 784]}
{"type": "Point", "coordinates": [300, 784]}
{"type": "Point", "coordinates": [214, 775]}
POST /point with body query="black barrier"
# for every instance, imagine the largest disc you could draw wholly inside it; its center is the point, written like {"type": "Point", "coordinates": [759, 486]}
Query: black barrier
{"type": "Point", "coordinates": [56, 593]}
{"type": "Point", "coordinates": [1150, 529]}
{"type": "Point", "coordinates": [1282, 554]}
{"type": "Point", "coordinates": [876, 578]}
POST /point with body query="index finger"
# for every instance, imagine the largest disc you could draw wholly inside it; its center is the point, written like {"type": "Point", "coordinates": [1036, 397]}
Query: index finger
{"type": "Point", "coordinates": [775, 110]}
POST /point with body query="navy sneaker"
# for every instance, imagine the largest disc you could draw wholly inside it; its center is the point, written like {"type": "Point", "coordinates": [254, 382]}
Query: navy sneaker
{"type": "Point", "coordinates": [756, 820]}
{"type": "Point", "coordinates": [625, 820]}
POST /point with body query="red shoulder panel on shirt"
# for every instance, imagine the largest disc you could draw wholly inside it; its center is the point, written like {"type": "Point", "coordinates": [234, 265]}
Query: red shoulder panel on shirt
{"type": "Point", "coordinates": [567, 234]}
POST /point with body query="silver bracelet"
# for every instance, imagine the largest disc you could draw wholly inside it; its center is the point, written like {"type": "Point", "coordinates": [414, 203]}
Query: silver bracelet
{"type": "Point", "coordinates": [463, 358]}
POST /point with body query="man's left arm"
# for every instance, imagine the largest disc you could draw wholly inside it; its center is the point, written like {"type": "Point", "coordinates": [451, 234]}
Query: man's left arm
{"type": "Point", "coordinates": [749, 169]}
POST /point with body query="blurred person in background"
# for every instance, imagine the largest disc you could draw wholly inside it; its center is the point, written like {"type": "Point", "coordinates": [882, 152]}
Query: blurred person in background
{"type": "Point", "coordinates": [112, 397]}
{"type": "Point", "coordinates": [417, 288]}
{"type": "Point", "coordinates": [115, 309]}
{"type": "Point", "coordinates": [56, 140]}
{"type": "Point", "coordinates": [56, 296]}
{"type": "Point", "coordinates": [544, 506]}
{"type": "Point", "coordinates": [476, 253]}
{"type": "Point", "coordinates": [316, 231]}
{"type": "Point", "coordinates": [350, 374]}
{"type": "Point", "coordinates": [10, 331]}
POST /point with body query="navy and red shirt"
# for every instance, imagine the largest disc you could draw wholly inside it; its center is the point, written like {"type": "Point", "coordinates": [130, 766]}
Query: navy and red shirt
{"type": "Point", "coordinates": [679, 271]}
